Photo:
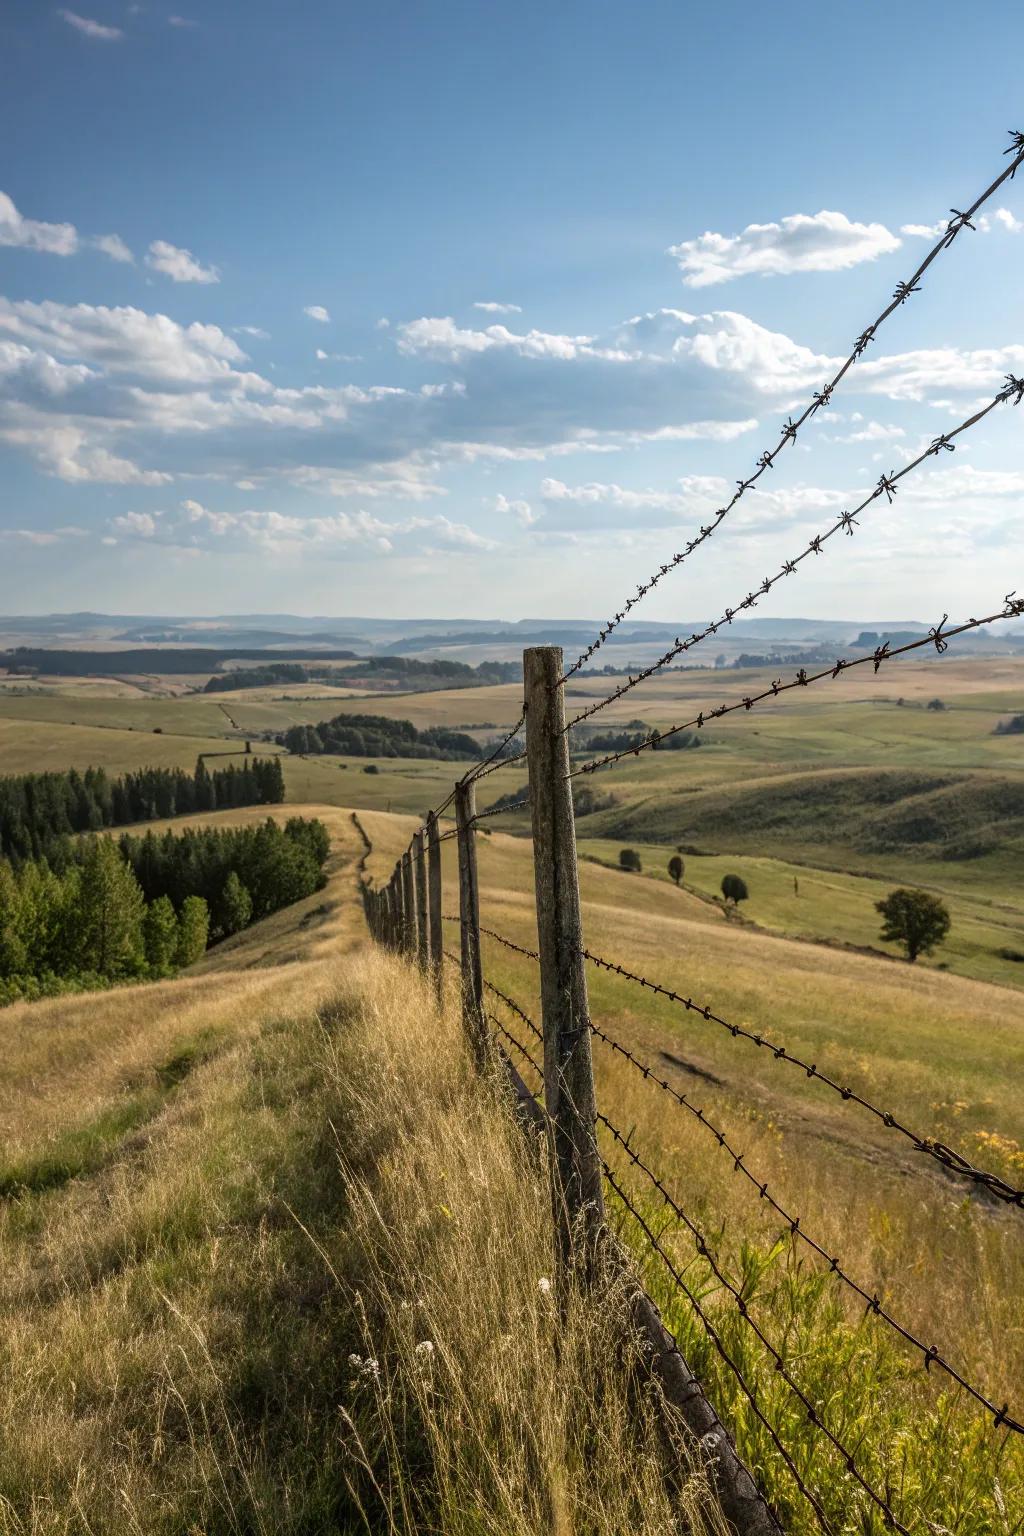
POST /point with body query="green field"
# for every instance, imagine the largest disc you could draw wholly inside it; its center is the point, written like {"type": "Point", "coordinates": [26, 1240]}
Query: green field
{"type": "Point", "coordinates": [850, 788]}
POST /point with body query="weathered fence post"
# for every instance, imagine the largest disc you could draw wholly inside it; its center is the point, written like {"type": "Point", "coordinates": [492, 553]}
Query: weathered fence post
{"type": "Point", "coordinates": [568, 1068]}
{"type": "Point", "coordinates": [399, 889]}
{"type": "Point", "coordinates": [419, 858]}
{"type": "Point", "coordinates": [469, 920]}
{"type": "Point", "coordinates": [408, 905]}
{"type": "Point", "coordinates": [434, 903]}
{"type": "Point", "coordinates": [394, 917]}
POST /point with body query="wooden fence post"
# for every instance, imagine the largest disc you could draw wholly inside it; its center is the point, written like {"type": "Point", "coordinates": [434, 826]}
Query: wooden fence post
{"type": "Point", "coordinates": [434, 903]}
{"type": "Point", "coordinates": [399, 893]}
{"type": "Point", "coordinates": [568, 1068]}
{"type": "Point", "coordinates": [469, 921]}
{"type": "Point", "coordinates": [408, 905]}
{"type": "Point", "coordinates": [419, 859]}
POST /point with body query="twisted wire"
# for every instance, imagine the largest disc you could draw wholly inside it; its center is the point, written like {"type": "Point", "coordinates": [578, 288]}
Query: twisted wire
{"type": "Point", "coordinates": [706, 1253]}
{"type": "Point", "coordinates": [524, 1053]}
{"type": "Point", "coordinates": [937, 636]}
{"type": "Point", "coordinates": [819, 400]}
{"type": "Point", "coordinates": [930, 1353]}
{"type": "Point", "coordinates": [720, 1349]}
{"type": "Point", "coordinates": [531, 954]}
{"type": "Point", "coordinates": [845, 523]}
{"type": "Point", "coordinates": [949, 1159]}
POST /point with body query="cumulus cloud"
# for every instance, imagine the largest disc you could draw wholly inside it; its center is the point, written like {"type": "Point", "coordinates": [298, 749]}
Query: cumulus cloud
{"type": "Point", "coordinates": [520, 510]}
{"type": "Point", "coordinates": [33, 234]}
{"type": "Point", "coordinates": [90, 28]}
{"type": "Point", "coordinates": [801, 242]}
{"type": "Point", "coordinates": [317, 312]}
{"type": "Point", "coordinates": [147, 396]}
{"type": "Point", "coordinates": [596, 507]}
{"type": "Point", "coordinates": [193, 526]}
{"type": "Point", "coordinates": [492, 307]}
{"type": "Point", "coordinates": [114, 247]}
{"type": "Point", "coordinates": [178, 264]}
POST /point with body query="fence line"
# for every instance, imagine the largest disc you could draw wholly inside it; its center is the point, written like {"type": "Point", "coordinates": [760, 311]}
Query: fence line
{"type": "Point", "coordinates": [405, 914]}
{"type": "Point", "coordinates": [820, 399]}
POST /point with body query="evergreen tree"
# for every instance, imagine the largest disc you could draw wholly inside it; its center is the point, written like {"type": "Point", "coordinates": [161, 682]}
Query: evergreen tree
{"type": "Point", "coordinates": [160, 934]}
{"type": "Point", "coordinates": [193, 931]}
{"type": "Point", "coordinates": [234, 908]}
{"type": "Point", "coordinates": [110, 911]}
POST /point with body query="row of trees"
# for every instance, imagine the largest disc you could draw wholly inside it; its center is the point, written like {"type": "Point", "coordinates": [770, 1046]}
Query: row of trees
{"type": "Point", "coordinates": [40, 811]}
{"type": "Point", "coordinates": [144, 907]}
{"type": "Point", "coordinates": [377, 736]}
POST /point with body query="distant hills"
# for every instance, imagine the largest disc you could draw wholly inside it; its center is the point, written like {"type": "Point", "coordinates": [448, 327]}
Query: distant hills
{"type": "Point", "coordinates": [294, 636]}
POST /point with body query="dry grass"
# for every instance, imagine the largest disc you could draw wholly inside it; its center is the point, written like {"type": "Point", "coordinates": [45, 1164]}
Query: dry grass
{"type": "Point", "coordinates": [250, 1178]}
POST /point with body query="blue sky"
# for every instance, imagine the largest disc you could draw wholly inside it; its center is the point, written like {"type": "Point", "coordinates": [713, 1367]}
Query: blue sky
{"type": "Point", "coordinates": [458, 309]}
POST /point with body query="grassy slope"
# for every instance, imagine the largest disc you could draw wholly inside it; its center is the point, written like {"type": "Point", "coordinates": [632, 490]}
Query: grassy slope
{"type": "Point", "coordinates": [236, 1190]}
{"type": "Point", "coordinates": [941, 1052]}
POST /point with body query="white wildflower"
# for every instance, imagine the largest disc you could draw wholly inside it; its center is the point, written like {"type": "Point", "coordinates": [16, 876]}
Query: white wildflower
{"type": "Point", "coordinates": [544, 1285]}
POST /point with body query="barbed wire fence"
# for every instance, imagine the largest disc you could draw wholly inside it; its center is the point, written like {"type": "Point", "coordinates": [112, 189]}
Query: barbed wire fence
{"type": "Point", "coordinates": [405, 913]}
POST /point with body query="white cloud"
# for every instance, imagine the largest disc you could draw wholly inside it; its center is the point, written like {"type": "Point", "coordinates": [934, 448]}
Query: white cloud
{"type": "Point", "coordinates": [317, 312]}
{"type": "Point", "coordinates": [520, 510]}
{"type": "Point", "coordinates": [181, 21]}
{"type": "Point", "coordinates": [871, 432]}
{"type": "Point", "coordinates": [113, 246]}
{"type": "Point", "coordinates": [91, 28]}
{"type": "Point", "coordinates": [923, 231]}
{"type": "Point", "coordinates": [251, 330]}
{"type": "Point", "coordinates": [820, 242]}
{"type": "Point", "coordinates": [195, 526]}
{"type": "Point", "coordinates": [126, 341]}
{"type": "Point", "coordinates": [33, 234]}
{"type": "Point", "coordinates": [1004, 217]}
{"type": "Point", "coordinates": [492, 307]}
{"type": "Point", "coordinates": [179, 264]}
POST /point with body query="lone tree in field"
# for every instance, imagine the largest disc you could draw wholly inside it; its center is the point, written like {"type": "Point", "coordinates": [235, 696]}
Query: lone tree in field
{"type": "Point", "coordinates": [630, 859]}
{"type": "Point", "coordinates": [734, 889]}
{"type": "Point", "coordinates": [675, 868]}
{"type": "Point", "coordinates": [914, 919]}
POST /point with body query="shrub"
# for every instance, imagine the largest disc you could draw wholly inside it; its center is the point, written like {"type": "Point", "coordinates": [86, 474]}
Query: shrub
{"type": "Point", "coordinates": [734, 889]}
{"type": "Point", "coordinates": [630, 859]}
{"type": "Point", "coordinates": [675, 868]}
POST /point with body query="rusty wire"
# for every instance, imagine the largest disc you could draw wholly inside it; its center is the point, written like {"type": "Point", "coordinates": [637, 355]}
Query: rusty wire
{"type": "Point", "coordinates": [712, 1332]}
{"type": "Point", "coordinates": [930, 1353]}
{"type": "Point", "coordinates": [950, 1160]}
{"type": "Point", "coordinates": [819, 400]}
{"type": "Point", "coordinates": [531, 954]}
{"type": "Point", "coordinates": [937, 636]}
{"type": "Point", "coordinates": [845, 523]}
{"type": "Point", "coordinates": [518, 1045]}
{"type": "Point", "coordinates": [503, 810]}
{"type": "Point", "coordinates": [706, 1253]}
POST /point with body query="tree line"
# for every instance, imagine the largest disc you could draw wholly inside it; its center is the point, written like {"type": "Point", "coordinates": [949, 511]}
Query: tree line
{"type": "Point", "coordinates": [143, 907]}
{"type": "Point", "coordinates": [377, 736]}
{"type": "Point", "coordinates": [39, 812]}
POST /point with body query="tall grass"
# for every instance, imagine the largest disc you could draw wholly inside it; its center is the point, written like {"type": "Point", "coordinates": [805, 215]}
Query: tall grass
{"type": "Point", "coordinates": [303, 1289]}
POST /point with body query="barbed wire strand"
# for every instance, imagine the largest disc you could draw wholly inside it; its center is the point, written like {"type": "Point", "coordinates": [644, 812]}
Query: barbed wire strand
{"type": "Point", "coordinates": [712, 1332]}
{"type": "Point", "coordinates": [938, 636]}
{"type": "Point", "coordinates": [844, 523]}
{"type": "Point", "coordinates": [709, 1327]}
{"type": "Point", "coordinates": [503, 810]}
{"type": "Point", "coordinates": [950, 1160]}
{"type": "Point", "coordinates": [819, 400]}
{"type": "Point", "coordinates": [706, 1322]}
{"type": "Point", "coordinates": [531, 954]}
{"type": "Point", "coordinates": [930, 1353]}
{"type": "Point", "coordinates": [703, 1248]}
